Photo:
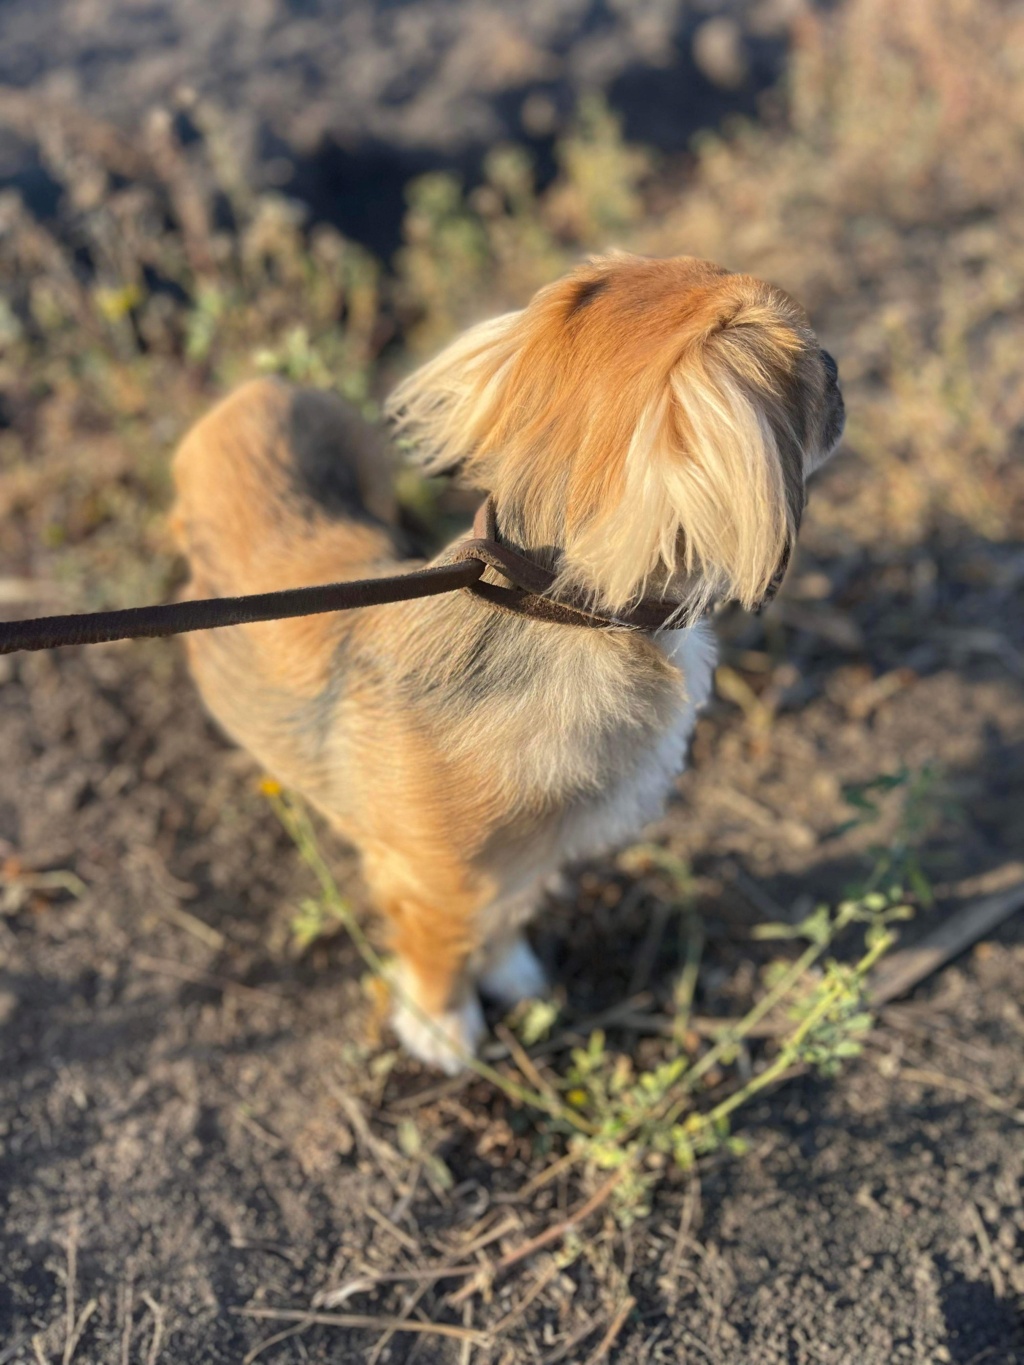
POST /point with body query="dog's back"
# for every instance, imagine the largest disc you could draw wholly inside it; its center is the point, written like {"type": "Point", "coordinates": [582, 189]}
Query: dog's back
{"type": "Point", "coordinates": [278, 488]}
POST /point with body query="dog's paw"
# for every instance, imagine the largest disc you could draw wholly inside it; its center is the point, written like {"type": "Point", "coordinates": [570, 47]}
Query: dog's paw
{"type": "Point", "coordinates": [516, 975]}
{"type": "Point", "coordinates": [447, 1040]}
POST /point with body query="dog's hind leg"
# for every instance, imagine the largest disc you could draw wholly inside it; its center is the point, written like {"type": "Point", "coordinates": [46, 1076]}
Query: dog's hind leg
{"type": "Point", "coordinates": [432, 905]}
{"type": "Point", "coordinates": [439, 1020]}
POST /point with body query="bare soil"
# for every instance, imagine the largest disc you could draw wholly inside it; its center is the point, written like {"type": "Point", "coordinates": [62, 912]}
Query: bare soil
{"type": "Point", "coordinates": [339, 103]}
{"type": "Point", "coordinates": [195, 1123]}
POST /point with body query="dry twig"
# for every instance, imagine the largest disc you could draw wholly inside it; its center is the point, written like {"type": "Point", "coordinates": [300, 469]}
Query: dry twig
{"type": "Point", "coordinates": [908, 967]}
{"type": "Point", "coordinates": [614, 1328]}
{"type": "Point", "coordinates": [164, 967]}
{"type": "Point", "coordinates": [543, 1239]}
{"type": "Point", "coordinates": [305, 1315]}
{"type": "Point", "coordinates": [939, 1081]}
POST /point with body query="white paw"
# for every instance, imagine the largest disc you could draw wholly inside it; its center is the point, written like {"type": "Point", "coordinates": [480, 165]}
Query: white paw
{"type": "Point", "coordinates": [517, 975]}
{"type": "Point", "coordinates": [447, 1040]}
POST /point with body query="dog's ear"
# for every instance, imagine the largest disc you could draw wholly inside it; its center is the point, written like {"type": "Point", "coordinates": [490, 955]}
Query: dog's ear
{"type": "Point", "coordinates": [446, 408]}
{"type": "Point", "coordinates": [713, 479]}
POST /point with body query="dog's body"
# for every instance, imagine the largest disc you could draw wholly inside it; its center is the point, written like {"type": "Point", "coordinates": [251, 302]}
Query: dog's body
{"type": "Point", "coordinates": [465, 751]}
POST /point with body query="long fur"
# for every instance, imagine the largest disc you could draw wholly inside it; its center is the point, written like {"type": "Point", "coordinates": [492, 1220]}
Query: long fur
{"type": "Point", "coordinates": [646, 417]}
{"type": "Point", "coordinates": [643, 426]}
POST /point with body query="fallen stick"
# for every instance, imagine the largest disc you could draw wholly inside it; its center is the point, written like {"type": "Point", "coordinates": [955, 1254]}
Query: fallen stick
{"type": "Point", "coordinates": [617, 1323]}
{"type": "Point", "coordinates": [552, 1234]}
{"type": "Point", "coordinates": [908, 967]}
{"type": "Point", "coordinates": [302, 1315]}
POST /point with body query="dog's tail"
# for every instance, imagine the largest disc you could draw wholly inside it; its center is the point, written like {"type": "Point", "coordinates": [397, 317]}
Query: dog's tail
{"type": "Point", "coordinates": [277, 488]}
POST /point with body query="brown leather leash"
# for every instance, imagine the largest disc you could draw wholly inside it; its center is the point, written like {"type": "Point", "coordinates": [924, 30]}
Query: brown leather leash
{"type": "Point", "coordinates": [462, 568]}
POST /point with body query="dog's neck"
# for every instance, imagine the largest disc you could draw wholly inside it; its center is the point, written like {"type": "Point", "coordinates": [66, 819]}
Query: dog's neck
{"type": "Point", "coordinates": [541, 536]}
{"type": "Point", "coordinates": [537, 591]}
{"type": "Point", "coordinates": [539, 539]}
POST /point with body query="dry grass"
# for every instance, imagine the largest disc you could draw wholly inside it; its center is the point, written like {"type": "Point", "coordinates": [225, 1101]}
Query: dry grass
{"type": "Point", "coordinates": [889, 198]}
{"type": "Point", "coordinates": [892, 204]}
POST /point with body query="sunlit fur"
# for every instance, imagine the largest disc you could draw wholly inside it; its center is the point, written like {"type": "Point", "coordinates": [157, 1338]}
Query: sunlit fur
{"type": "Point", "coordinates": [643, 426]}
{"type": "Point", "coordinates": [653, 419]}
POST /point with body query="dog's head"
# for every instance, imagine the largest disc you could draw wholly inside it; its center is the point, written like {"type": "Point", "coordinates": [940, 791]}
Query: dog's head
{"type": "Point", "coordinates": [653, 420]}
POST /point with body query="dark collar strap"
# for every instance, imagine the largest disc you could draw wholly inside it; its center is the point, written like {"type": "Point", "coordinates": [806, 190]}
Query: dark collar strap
{"type": "Point", "coordinates": [532, 584]}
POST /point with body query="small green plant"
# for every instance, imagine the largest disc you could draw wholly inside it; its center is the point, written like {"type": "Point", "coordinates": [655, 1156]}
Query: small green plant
{"type": "Point", "coordinates": [296, 359]}
{"type": "Point", "coordinates": [616, 1117]}
{"type": "Point", "coordinates": [642, 1119]}
{"type": "Point", "coordinates": [320, 916]}
{"type": "Point", "coordinates": [898, 860]}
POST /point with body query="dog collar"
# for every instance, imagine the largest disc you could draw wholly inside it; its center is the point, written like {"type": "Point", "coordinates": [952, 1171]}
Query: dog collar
{"type": "Point", "coordinates": [531, 593]}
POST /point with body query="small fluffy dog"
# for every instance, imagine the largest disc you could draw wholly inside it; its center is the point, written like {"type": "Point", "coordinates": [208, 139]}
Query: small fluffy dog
{"type": "Point", "coordinates": [644, 428]}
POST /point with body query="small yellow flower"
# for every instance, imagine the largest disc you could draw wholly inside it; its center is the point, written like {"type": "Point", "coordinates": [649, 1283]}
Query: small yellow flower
{"type": "Point", "coordinates": [116, 303]}
{"type": "Point", "coordinates": [577, 1098]}
{"type": "Point", "coordinates": [270, 786]}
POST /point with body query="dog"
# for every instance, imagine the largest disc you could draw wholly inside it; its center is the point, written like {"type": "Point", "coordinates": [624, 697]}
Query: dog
{"type": "Point", "coordinates": [644, 430]}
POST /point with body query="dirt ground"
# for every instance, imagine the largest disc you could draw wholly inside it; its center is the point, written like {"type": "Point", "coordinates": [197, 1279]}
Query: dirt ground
{"type": "Point", "coordinates": [204, 1134]}
{"type": "Point", "coordinates": [340, 103]}
{"type": "Point", "coordinates": [433, 77]}
{"type": "Point", "coordinates": [195, 1124]}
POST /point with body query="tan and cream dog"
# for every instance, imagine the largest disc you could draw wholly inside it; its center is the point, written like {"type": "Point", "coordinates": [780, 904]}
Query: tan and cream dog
{"type": "Point", "coordinates": [644, 427]}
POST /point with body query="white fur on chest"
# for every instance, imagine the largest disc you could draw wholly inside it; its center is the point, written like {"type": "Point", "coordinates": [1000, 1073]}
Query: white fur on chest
{"type": "Point", "coordinates": [640, 796]}
{"type": "Point", "coordinates": [612, 818]}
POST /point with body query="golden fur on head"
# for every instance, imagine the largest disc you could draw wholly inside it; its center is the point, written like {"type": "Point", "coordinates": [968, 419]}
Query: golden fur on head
{"type": "Point", "coordinates": [653, 420]}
